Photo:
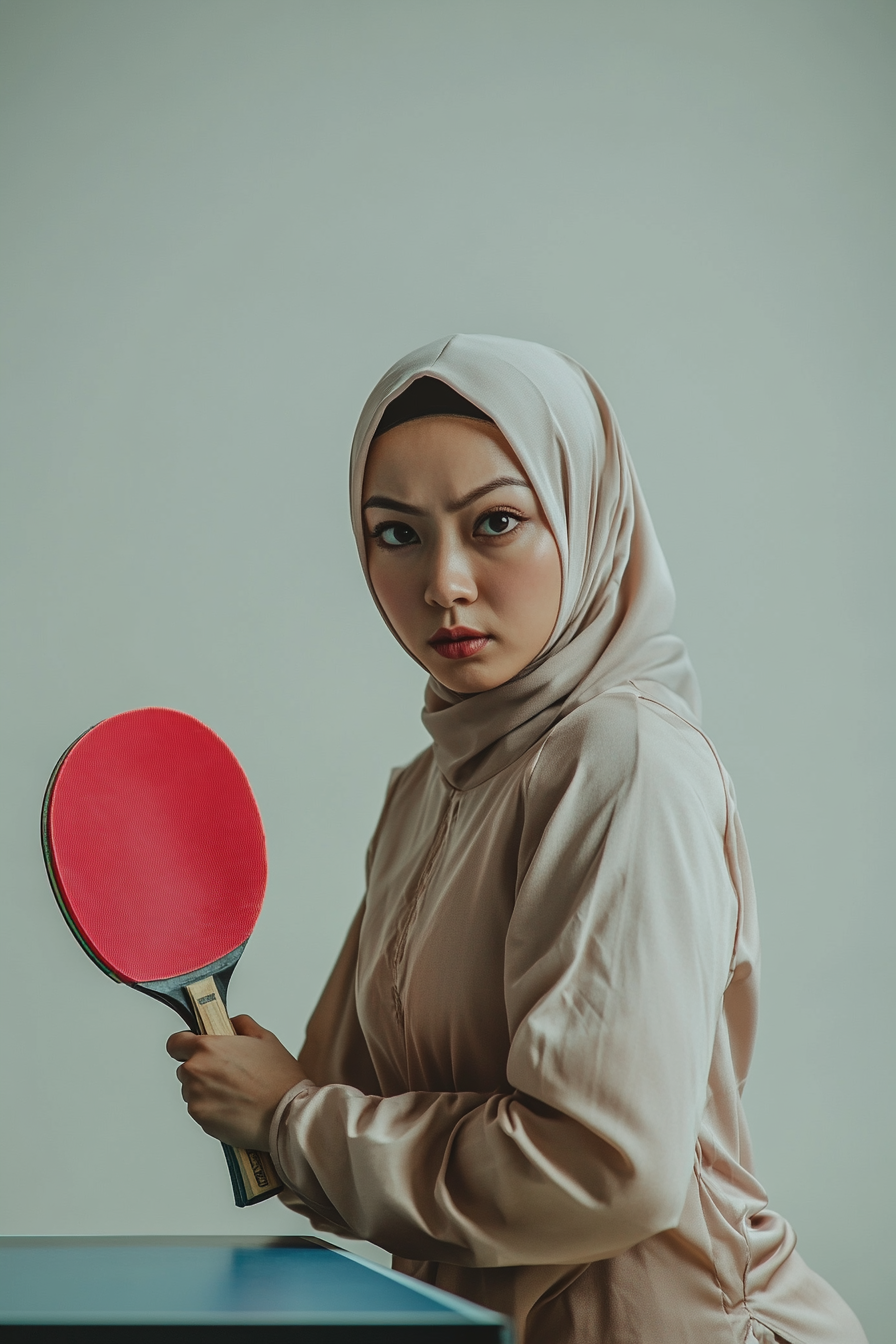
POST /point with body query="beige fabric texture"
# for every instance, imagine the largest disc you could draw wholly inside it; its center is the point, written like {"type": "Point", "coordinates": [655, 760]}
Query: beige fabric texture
{"type": "Point", "coordinates": [525, 1072]}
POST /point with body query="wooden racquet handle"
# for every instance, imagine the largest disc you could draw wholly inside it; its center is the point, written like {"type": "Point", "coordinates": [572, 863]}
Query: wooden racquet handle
{"type": "Point", "coordinates": [253, 1175]}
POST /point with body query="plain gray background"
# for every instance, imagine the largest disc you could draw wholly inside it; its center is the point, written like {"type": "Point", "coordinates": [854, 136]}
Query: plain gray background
{"type": "Point", "coordinates": [222, 220]}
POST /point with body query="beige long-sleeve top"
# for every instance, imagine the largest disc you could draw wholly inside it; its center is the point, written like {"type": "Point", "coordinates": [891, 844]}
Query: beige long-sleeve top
{"type": "Point", "coordinates": [526, 1068]}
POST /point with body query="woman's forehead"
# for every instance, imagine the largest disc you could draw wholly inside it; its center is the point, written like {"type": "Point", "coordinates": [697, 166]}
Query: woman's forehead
{"type": "Point", "coordinates": [440, 449]}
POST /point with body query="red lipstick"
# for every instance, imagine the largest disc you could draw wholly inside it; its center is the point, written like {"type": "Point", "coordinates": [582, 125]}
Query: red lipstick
{"type": "Point", "coordinates": [459, 641]}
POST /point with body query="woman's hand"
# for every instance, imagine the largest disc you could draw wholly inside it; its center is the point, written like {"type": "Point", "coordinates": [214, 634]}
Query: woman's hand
{"type": "Point", "coordinates": [232, 1084]}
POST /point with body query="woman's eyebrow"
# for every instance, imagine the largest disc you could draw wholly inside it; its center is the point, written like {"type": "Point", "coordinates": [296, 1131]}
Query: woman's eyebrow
{"type": "Point", "coordinates": [385, 502]}
{"type": "Point", "coordinates": [496, 484]}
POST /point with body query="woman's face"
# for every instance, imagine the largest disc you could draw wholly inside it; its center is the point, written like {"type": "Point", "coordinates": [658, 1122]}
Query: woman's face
{"type": "Point", "coordinates": [459, 551]}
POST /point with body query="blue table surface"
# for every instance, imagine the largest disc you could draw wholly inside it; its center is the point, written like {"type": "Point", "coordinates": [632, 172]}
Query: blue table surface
{"type": "Point", "coordinates": [212, 1280]}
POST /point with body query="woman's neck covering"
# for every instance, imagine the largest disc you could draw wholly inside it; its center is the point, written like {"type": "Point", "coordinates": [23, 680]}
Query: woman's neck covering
{"type": "Point", "coordinates": [617, 598]}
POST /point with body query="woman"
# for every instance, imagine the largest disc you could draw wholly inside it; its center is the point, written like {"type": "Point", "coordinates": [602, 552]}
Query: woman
{"type": "Point", "coordinates": [524, 1075]}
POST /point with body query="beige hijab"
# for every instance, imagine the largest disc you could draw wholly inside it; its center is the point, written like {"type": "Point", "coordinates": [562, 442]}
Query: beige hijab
{"type": "Point", "coordinates": [617, 598]}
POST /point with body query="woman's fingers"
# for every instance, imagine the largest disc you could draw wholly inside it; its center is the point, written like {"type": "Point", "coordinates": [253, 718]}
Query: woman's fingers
{"type": "Point", "coordinates": [182, 1044]}
{"type": "Point", "coordinates": [244, 1025]}
{"type": "Point", "coordinates": [232, 1084]}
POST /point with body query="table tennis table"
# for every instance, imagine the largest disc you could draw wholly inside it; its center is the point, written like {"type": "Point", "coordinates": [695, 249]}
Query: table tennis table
{"type": "Point", "coordinates": [230, 1290]}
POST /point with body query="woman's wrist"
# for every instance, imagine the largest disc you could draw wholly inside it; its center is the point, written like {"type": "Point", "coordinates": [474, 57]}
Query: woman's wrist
{"type": "Point", "coordinates": [298, 1093]}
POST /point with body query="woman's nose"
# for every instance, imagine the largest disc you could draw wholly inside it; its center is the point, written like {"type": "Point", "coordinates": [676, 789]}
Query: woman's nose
{"type": "Point", "coordinates": [450, 579]}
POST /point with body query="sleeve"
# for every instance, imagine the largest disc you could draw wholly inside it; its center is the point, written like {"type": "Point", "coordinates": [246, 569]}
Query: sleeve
{"type": "Point", "coordinates": [616, 961]}
{"type": "Point", "coordinates": [334, 1050]}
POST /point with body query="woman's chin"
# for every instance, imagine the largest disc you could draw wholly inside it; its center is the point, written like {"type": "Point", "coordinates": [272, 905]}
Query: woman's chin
{"type": "Point", "coordinates": [467, 676]}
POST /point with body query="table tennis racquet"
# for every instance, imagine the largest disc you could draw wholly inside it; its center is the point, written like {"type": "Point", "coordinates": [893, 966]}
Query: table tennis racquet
{"type": "Point", "coordinates": [155, 851]}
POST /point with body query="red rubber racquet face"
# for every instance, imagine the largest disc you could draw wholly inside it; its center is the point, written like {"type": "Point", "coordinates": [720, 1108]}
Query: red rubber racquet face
{"type": "Point", "coordinates": [156, 845]}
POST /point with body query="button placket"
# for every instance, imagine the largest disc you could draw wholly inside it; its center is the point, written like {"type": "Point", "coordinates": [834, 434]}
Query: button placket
{"type": "Point", "coordinates": [434, 853]}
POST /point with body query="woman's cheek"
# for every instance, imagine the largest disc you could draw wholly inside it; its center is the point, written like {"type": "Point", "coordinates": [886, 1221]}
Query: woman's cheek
{"type": "Point", "coordinates": [395, 593]}
{"type": "Point", "coordinates": [527, 589]}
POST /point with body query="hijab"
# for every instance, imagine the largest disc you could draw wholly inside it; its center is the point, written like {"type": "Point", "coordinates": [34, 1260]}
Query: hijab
{"type": "Point", "coordinates": [617, 599]}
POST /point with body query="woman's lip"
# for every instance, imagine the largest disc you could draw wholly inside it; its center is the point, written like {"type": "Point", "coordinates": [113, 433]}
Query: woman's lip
{"type": "Point", "coordinates": [459, 641]}
{"type": "Point", "coordinates": [450, 632]}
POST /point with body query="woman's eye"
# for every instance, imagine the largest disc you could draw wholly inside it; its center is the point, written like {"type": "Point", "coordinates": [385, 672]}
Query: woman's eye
{"type": "Point", "coordinates": [396, 535]}
{"type": "Point", "coordinates": [498, 524]}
